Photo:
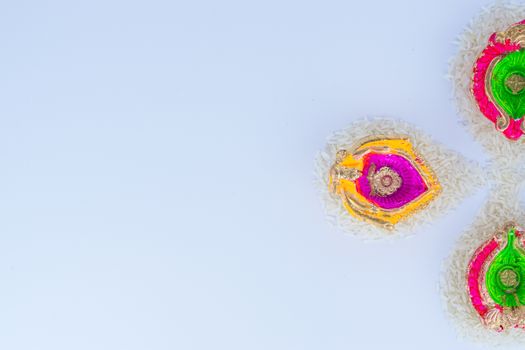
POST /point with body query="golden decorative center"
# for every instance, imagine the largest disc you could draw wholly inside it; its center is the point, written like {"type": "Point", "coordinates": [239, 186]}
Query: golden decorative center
{"type": "Point", "coordinates": [516, 83]}
{"type": "Point", "coordinates": [509, 278]}
{"type": "Point", "coordinates": [384, 182]}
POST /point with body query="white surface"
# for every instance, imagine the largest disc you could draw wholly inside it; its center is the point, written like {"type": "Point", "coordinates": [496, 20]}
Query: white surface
{"type": "Point", "coordinates": [157, 157]}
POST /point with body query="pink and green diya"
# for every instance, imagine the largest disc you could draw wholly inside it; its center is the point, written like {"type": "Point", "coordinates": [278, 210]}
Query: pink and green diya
{"type": "Point", "coordinates": [498, 81]}
{"type": "Point", "coordinates": [496, 280]}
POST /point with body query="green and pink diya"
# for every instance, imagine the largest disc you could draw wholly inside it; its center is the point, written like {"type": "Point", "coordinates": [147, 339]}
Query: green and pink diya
{"type": "Point", "coordinates": [498, 81]}
{"type": "Point", "coordinates": [496, 280]}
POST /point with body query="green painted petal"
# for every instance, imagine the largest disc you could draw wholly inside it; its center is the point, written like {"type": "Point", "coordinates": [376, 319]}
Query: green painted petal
{"type": "Point", "coordinates": [508, 84]}
{"type": "Point", "coordinates": [506, 275]}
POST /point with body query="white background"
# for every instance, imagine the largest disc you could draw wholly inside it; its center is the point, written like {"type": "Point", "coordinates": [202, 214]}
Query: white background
{"type": "Point", "coordinates": [156, 183]}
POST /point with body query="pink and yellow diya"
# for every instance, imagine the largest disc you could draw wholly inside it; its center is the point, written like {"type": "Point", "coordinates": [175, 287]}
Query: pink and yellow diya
{"type": "Point", "coordinates": [383, 180]}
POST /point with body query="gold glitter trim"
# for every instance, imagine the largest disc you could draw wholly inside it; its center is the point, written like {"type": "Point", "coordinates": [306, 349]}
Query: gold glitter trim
{"type": "Point", "coordinates": [516, 34]}
{"type": "Point", "coordinates": [503, 120]}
